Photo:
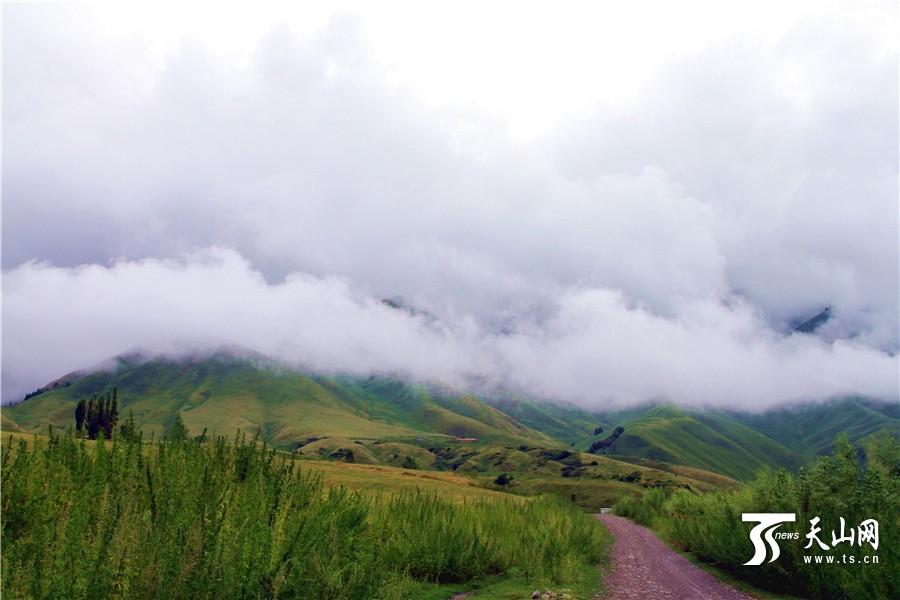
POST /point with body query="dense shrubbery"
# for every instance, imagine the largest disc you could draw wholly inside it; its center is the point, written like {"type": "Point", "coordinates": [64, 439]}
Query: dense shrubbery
{"type": "Point", "coordinates": [230, 520]}
{"type": "Point", "coordinates": [837, 486]}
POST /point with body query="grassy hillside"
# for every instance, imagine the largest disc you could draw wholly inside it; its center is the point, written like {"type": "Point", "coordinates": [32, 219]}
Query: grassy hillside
{"type": "Point", "coordinates": [388, 422]}
{"type": "Point", "coordinates": [590, 481]}
{"type": "Point", "coordinates": [562, 421]}
{"type": "Point", "coordinates": [225, 393]}
{"type": "Point", "coordinates": [429, 409]}
{"type": "Point", "coordinates": [700, 440]}
{"type": "Point", "coordinates": [221, 393]}
{"type": "Point", "coordinates": [810, 429]}
{"type": "Point", "coordinates": [362, 431]}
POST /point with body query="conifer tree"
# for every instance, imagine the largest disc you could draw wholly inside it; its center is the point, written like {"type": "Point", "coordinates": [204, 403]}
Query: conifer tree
{"type": "Point", "coordinates": [99, 414]}
{"type": "Point", "coordinates": [115, 407]}
{"type": "Point", "coordinates": [93, 417]}
{"type": "Point", "coordinates": [80, 414]}
{"type": "Point", "coordinates": [113, 411]}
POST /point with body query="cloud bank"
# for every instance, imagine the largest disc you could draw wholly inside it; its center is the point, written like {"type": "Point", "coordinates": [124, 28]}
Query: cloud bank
{"type": "Point", "coordinates": [656, 248]}
{"type": "Point", "coordinates": [595, 350]}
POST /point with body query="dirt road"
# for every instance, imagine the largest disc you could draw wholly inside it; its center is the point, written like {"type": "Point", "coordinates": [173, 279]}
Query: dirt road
{"type": "Point", "coordinates": [643, 567]}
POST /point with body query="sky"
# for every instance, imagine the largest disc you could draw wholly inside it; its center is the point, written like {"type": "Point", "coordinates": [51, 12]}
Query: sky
{"type": "Point", "coordinates": [603, 205]}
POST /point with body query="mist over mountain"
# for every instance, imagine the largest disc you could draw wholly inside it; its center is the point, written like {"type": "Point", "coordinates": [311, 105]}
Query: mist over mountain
{"type": "Point", "coordinates": [595, 349]}
{"type": "Point", "coordinates": [703, 189]}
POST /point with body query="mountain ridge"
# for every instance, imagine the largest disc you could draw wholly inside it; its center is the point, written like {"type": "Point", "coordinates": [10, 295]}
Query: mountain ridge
{"type": "Point", "coordinates": [227, 389]}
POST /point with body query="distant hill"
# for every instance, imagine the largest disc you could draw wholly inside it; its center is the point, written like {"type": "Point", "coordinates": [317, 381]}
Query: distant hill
{"type": "Point", "coordinates": [429, 409]}
{"type": "Point", "coordinates": [388, 421]}
{"type": "Point", "coordinates": [564, 422]}
{"type": "Point", "coordinates": [702, 440]}
{"type": "Point", "coordinates": [732, 443]}
{"type": "Point", "coordinates": [378, 421]}
{"type": "Point", "coordinates": [228, 391]}
{"type": "Point", "coordinates": [810, 429]}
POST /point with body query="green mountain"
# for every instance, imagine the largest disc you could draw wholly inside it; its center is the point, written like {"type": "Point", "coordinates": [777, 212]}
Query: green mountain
{"type": "Point", "coordinates": [810, 429]}
{"type": "Point", "coordinates": [388, 421]}
{"type": "Point", "coordinates": [565, 422]}
{"type": "Point", "coordinates": [732, 443]}
{"type": "Point", "coordinates": [229, 391]}
{"type": "Point", "coordinates": [692, 438]}
{"type": "Point", "coordinates": [378, 421]}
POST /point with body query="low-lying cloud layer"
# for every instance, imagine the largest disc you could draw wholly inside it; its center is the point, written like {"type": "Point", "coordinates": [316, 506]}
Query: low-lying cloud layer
{"type": "Point", "coordinates": [658, 249]}
{"type": "Point", "coordinates": [596, 349]}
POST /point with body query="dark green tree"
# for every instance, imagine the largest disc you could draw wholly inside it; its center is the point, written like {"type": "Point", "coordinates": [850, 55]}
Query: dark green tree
{"type": "Point", "coordinates": [98, 414]}
{"type": "Point", "coordinates": [112, 412]}
{"type": "Point", "coordinates": [80, 414]}
{"type": "Point", "coordinates": [115, 407]}
{"type": "Point", "coordinates": [95, 407]}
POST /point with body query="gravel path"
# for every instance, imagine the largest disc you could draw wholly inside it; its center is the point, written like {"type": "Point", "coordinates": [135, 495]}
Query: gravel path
{"type": "Point", "coordinates": [643, 567]}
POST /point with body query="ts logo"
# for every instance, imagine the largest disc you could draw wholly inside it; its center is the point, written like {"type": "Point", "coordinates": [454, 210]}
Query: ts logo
{"type": "Point", "coordinates": [768, 523]}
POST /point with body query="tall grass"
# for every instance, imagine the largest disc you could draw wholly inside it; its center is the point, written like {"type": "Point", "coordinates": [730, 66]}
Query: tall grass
{"type": "Point", "coordinates": [838, 486]}
{"type": "Point", "coordinates": [233, 519]}
{"type": "Point", "coordinates": [438, 540]}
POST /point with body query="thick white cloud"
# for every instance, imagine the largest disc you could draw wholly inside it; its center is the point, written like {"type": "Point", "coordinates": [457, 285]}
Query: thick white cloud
{"type": "Point", "coordinates": [596, 350]}
{"type": "Point", "coordinates": [58, 320]}
{"type": "Point", "coordinates": [704, 192]}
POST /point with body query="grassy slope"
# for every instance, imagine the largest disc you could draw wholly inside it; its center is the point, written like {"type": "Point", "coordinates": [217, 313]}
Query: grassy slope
{"type": "Point", "coordinates": [595, 481]}
{"type": "Point", "coordinates": [431, 410]}
{"type": "Point", "coordinates": [562, 421]}
{"type": "Point", "coordinates": [224, 394]}
{"type": "Point", "coordinates": [810, 430]}
{"type": "Point", "coordinates": [604, 483]}
{"type": "Point", "coordinates": [220, 393]}
{"type": "Point", "coordinates": [700, 440]}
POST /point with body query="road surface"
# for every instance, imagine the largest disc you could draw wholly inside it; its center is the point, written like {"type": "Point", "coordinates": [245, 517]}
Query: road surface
{"type": "Point", "coordinates": [645, 568]}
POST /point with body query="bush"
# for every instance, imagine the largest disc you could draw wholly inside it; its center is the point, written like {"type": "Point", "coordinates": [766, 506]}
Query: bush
{"type": "Point", "coordinates": [503, 479]}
